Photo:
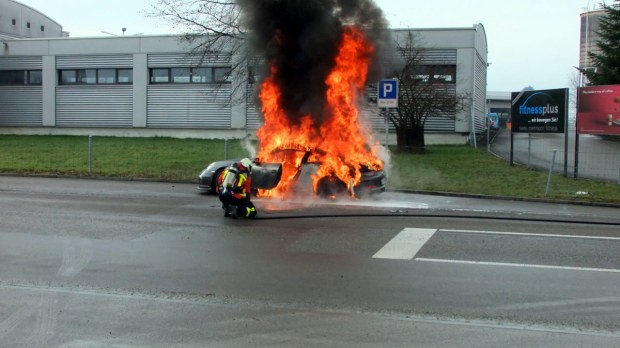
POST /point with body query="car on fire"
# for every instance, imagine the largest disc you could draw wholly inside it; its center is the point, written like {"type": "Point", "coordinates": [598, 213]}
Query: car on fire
{"type": "Point", "coordinates": [266, 176]}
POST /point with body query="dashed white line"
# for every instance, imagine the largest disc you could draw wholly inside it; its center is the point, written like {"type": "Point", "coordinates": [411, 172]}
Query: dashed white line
{"type": "Point", "coordinates": [406, 244]}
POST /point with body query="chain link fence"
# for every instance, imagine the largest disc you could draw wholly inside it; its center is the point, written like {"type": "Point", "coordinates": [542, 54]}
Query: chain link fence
{"type": "Point", "coordinates": [597, 157]}
{"type": "Point", "coordinates": [161, 158]}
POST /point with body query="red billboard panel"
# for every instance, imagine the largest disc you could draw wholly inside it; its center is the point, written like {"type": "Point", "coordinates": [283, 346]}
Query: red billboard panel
{"type": "Point", "coordinates": [598, 110]}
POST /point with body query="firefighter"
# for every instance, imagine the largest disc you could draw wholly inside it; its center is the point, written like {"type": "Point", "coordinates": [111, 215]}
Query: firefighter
{"type": "Point", "coordinates": [235, 190]}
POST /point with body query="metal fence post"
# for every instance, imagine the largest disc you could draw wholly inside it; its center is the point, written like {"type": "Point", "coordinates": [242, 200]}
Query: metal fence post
{"type": "Point", "coordinates": [489, 134]}
{"type": "Point", "coordinates": [529, 148]}
{"type": "Point", "coordinates": [90, 155]}
{"type": "Point", "coordinates": [550, 171]}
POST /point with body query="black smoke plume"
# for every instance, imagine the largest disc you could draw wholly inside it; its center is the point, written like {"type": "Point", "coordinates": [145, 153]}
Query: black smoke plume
{"type": "Point", "coordinates": [300, 39]}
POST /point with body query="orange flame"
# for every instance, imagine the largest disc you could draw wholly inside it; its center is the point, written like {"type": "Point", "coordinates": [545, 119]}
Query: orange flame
{"type": "Point", "coordinates": [341, 142]}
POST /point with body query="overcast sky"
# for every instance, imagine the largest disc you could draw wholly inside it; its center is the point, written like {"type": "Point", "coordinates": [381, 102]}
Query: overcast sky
{"type": "Point", "coordinates": [531, 42]}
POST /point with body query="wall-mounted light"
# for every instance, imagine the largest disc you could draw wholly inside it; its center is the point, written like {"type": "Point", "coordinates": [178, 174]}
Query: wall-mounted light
{"type": "Point", "coordinates": [6, 44]}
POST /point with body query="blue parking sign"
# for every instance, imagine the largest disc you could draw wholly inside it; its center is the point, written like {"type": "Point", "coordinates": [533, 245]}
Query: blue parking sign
{"type": "Point", "coordinates": [387, 93]}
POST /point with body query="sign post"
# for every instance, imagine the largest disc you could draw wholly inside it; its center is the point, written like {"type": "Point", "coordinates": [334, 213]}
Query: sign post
{"type": "Point", "coordinates": [387, 93]}
{"type": "Point", "coordinates": [387, 97]}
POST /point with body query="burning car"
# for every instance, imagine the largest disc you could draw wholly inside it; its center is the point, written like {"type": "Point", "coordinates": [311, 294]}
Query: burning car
{"type": "Point", "coordinates": [264, 176]}
{"type": "Point", "coordinates": [312, 135]}
{"type": "Point", "coordinates": [300, 178]}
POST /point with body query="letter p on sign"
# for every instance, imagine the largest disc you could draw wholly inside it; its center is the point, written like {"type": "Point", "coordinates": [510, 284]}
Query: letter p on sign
{"type": "Point", "coordinates": [387, 93]}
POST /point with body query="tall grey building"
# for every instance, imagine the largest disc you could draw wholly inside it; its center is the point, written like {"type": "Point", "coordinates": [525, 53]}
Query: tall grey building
{"type": "Point", "coordinates": [590, 25]}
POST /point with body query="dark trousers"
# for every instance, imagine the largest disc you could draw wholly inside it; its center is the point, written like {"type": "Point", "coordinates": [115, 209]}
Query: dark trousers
{"type": "Point", "coordinates": [244, 207]}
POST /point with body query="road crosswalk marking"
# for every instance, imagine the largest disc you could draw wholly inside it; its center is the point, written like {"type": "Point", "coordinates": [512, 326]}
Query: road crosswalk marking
{"type": "Point", "coordinates": [406, 244]}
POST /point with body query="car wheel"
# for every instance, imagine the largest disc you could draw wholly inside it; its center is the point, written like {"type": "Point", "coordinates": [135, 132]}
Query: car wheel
{"type": "Point", "coordinates": [331, 187]}
{"type": "Point", "coordinates": [214, 186]}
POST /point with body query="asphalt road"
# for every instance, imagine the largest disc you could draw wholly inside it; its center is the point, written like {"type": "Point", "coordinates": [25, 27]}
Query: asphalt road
{"type": "Point", "coordinates": [93, 263]}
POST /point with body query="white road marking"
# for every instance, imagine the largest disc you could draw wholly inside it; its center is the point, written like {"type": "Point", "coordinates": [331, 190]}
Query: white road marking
{"type": "Point", "coordinates": [533, 234]}
{"type": "Point", "coordinates": [525, 265]}
{"type": "Point", "coordinates": [409, 241]}
{"type": "Point", "coordinates": [406, 244]}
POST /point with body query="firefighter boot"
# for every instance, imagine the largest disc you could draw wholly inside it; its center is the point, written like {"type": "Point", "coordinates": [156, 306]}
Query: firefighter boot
{"type": "Point", "coordinates": [233, 211]}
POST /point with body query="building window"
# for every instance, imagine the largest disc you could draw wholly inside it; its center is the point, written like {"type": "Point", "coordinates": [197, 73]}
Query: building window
{"type": "Point", "coordinates": [87, 76]}
{"type": "Point", "coordinates": [442, 74]}
{"type": "Point", "coordinates": [68, 77]}
{"type": "Point", "coordinates": [13, 21]}
{"type": "Point", "coordinates": [160, 75]}
{"type": "Point", "coordinates": [42, 28]}
{"type": "Point", "coordinates": [35, 77]}
{"type": "Point", "coordinates": [28, 25]}
{"type": "Point", "coordinates": [202, 75]}
{"type": "Point", "coordinates": [180, 75]}
{"type": "Point", "coordinates": [190, 75]}
{"type": "Point", "coordinates": [222, 75]}
{"type": "Point", "coordinates": [20, 77]}
{"type": "Point", "coordinates": [104, 76]}
{"type": "Point", "coordinates": [125, 76]}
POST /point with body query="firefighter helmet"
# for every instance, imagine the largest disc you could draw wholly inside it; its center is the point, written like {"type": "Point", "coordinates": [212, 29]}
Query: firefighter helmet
{"type": "Point", "coordinates": [247, 164]}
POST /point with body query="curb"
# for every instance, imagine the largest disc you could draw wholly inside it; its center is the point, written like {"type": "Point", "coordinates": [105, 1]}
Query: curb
{"type": "Point", "coordinates": [420, 192]}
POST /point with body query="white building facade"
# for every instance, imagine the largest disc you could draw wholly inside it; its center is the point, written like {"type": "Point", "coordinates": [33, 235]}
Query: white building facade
{"type": "Point", "coordinates": [152, 86]}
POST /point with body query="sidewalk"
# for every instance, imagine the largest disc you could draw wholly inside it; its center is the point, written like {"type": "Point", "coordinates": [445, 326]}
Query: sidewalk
{"type": "Point", "coordinates": [598, 158]}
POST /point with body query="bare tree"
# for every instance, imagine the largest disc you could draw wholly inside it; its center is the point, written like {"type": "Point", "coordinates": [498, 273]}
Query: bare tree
{"type": "Point", "coordinates": [212, 24]}
{"type": "Point", "coordinates": [213, 28]}
{"type": "Point", "coordinates": [426, 90]}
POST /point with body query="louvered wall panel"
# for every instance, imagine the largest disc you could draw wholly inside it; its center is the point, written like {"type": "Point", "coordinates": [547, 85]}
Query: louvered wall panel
{"type": "Point", "coordinates": [254, 116]}
{"type": "Point", "coordinates": [480, 95]}
{"type": "Point", "coordinates": [21, 63]}
{"type": "Point", "coordinates": [430, 57]}
{"type": "Point", "coordinates": [184, 60]}
{"type": "Point", "coordinates": [94, 106]}
{"type": "Point", "coordinates": [21, 106]}
{"type": "Point", "coordinates": [441, 57]}
{"type": "Point", "coordinates": [106, 61]}
{"type": "Point", "coordinates": [186, 106]}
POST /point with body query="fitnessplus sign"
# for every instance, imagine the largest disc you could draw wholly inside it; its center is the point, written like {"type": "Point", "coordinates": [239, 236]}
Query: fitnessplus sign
{"type": "Point", "coordinates": [541, 111]}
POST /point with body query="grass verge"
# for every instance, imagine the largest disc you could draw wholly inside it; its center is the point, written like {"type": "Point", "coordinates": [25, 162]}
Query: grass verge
{"type": "Point", "coordinates": [453, 169]}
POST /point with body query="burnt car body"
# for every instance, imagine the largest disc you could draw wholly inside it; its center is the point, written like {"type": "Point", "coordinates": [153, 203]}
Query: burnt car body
{"type": "Point", "coordinates": [266, 176]}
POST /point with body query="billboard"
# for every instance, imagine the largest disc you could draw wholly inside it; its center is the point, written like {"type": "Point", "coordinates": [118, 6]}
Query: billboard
{"type": "Point", "coordinates": [598, 110]}
{"type": "Point", "coordinates": [542, 111]}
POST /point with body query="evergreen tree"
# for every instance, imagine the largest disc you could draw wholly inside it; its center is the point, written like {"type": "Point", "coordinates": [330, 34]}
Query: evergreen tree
{"type": "Point", "coordinates": [607, 61]}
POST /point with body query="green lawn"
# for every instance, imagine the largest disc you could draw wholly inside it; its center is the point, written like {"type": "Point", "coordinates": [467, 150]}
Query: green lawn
{"type": "Point", "coordinates": [463, 169]}
{"type": "Point", "coordinates": [456, 169]}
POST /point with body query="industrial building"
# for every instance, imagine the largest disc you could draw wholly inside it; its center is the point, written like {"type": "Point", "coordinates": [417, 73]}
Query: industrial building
{"type": "Point", "coordinates": [154, 86]}
{"type": "Point", "coordinates": [21, 21]}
